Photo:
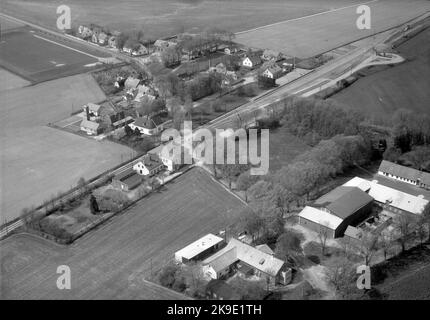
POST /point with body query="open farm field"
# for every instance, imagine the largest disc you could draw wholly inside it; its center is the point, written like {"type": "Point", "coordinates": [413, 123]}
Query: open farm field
{"type": "Point", "coordinates": [39, 57]}
{"type": "Point", "coordinates": [383, 90]}
{"type": "Point", "coordinates": [167, 17]}
{"type": "Point", "coordinates": [38, 161]}
{"type": "Point", "coordinates": [9, 81]}
{"type": "Point", "coordinates": [315, 34]}
{"type": "Point", "coordinates": [112, 261]}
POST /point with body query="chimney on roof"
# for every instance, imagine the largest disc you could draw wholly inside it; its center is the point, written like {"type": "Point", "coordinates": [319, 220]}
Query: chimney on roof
{"type": "Point", "coordinates": [87, 110]}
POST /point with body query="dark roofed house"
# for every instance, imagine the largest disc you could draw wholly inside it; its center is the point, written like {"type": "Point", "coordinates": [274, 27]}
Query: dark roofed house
{"type": "Point", "coordinates": [404, 174]}
{"type": "Point", "coordinates": [127, 180]}
{"type": "Point", "coordinates": [251, 61]}
{"type": "Point", "coordinates": [273, 72]}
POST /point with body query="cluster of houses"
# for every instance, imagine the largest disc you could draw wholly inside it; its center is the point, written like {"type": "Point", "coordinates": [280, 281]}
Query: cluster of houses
{"type": "Point", "coordinates": [101, 36]}
{"type": "Point", "coordinates": [363, 205]}
{"type": "Point", "coordinates": [220, 260]}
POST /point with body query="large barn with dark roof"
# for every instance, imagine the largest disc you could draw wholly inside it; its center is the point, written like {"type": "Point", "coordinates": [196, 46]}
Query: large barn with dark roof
{"type": "Point", "coordinates": [337, 210]}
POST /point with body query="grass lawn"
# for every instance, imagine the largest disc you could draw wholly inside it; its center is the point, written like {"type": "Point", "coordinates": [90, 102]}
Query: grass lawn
{"type": "Point", "coordinates": [386, 89]}
{"type": "Point", "coordinates": [112, 261]}
{"type": "Point", "coordinates": [38, 161]}
{"type": "Point", "coordinates": [9, 81]}
{"type": "Point", "coordinates": [407, 276]}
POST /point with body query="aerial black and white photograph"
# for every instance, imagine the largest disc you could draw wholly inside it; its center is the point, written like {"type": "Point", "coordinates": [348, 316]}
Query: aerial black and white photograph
{"type": "Point", "coordinates": [198, 152]}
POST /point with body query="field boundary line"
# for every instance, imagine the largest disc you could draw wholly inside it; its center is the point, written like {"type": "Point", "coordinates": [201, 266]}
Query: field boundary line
{"type": "Point", "coordinates": [305, 17]}
{"type": "Point", "coordinates": [70, 48]}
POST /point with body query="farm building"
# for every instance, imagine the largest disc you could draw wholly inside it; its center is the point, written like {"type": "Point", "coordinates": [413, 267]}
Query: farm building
{"type": "Point", "coordinates": [390, 199]}
{"type": "Point", "coordinates": [251, 61]}
{"type": "Point", "coordinates": [317, 220]}
{"type": "Point", "coordinates": [199, 249]}
{"type": "Point", "coordinates": [337, 210]}
{"type": "Point", "coordinates": [247, 260]}
{"type": "Point", "coordinates": [148, 125]}
{"type": "Point", "coordinates": [404, 174]}
{"type": "Point", "coordinates": [127, 180]}
{"type": "Point", "coordinates": [90, 127]}
{"type": "Point", "coordinates": [148, 165]}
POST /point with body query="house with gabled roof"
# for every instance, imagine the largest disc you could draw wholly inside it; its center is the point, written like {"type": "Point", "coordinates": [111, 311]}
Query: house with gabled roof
{"type": "Point", "coordinates": [93, 109]}
{"type": "Point", "coordinates": [251, 61]}
{"type": "Point", "coordinates": [273, 72]}
{"type": "Point", "coordinates": [148, 165]}
{"type": "Point", "coordinates": [149, 125]}
{"type": "Point", "coordinates": [241, 257]}
{"type": "Point", "coordinates": [404, 174]}
{"type": "Point", "coordinates": [271, 55]}
{"type": "Point", "coordinates": [127, 180]}
{"type": "Point", "coordinates": [90, 127]}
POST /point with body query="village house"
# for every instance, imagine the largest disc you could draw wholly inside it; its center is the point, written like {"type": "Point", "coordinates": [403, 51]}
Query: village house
{"type": "Point", "coordinates": [251, 61]}
{"type": "Point", "coordinates": [148, 125]}
{"type": "Point", "coordinates": [148, 165]}
{"type": "Point", "coordinates": [112, 41]}
{"type": "Point", "coordinates": [103, 38]}
{"type": "Point", "coordinates": [84, 32]}
{"type": "Point", "coordinates": [122, 122]}
{"type": "Point", "coordinates": [131, 83]}
{"type": "Point", "coordinates": [272, 72]}
{"type": "Point", "coordinates": [127, 180]}
{"type": "Point", "coordinates": [248, 261]}
{"type": "Point", "coordinates": [404, 174]}
{"type": "Point", "coordinates": [136, 50]}
{"type": "Point", "coordinates": [229, 50]}
{"type": "Point", "coordinates": [271, 55]}
{"type": "Point", "coordinates": [90, 127]}
{"type": "Point", "coordinates": [161, 45]}
{"type": "Point", "coordinates": [199, 249]}
{"type": "Point", "coordinates": [93, 110]}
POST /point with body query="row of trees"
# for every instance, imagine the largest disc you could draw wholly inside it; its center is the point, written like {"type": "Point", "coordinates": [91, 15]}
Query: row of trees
{"type": "Point", "coordinates": [314, 119]}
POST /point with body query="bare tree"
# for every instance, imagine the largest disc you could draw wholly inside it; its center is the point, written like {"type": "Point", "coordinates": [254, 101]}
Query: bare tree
{"type": "Point", "coordinates": [386, 242]}
{"type": "Point", "coordinates": [367, 246]}
{"type": "Point", "coordinates": [405, 225]}
{"type": "Point", "coordinates": [323, 234]}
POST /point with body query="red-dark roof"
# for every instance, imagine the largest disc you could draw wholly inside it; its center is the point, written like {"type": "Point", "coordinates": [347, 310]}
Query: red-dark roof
{"type": "Point", "coordinates": [349, 203]}
{"type": "Point", "coordinates": [148, 122]}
